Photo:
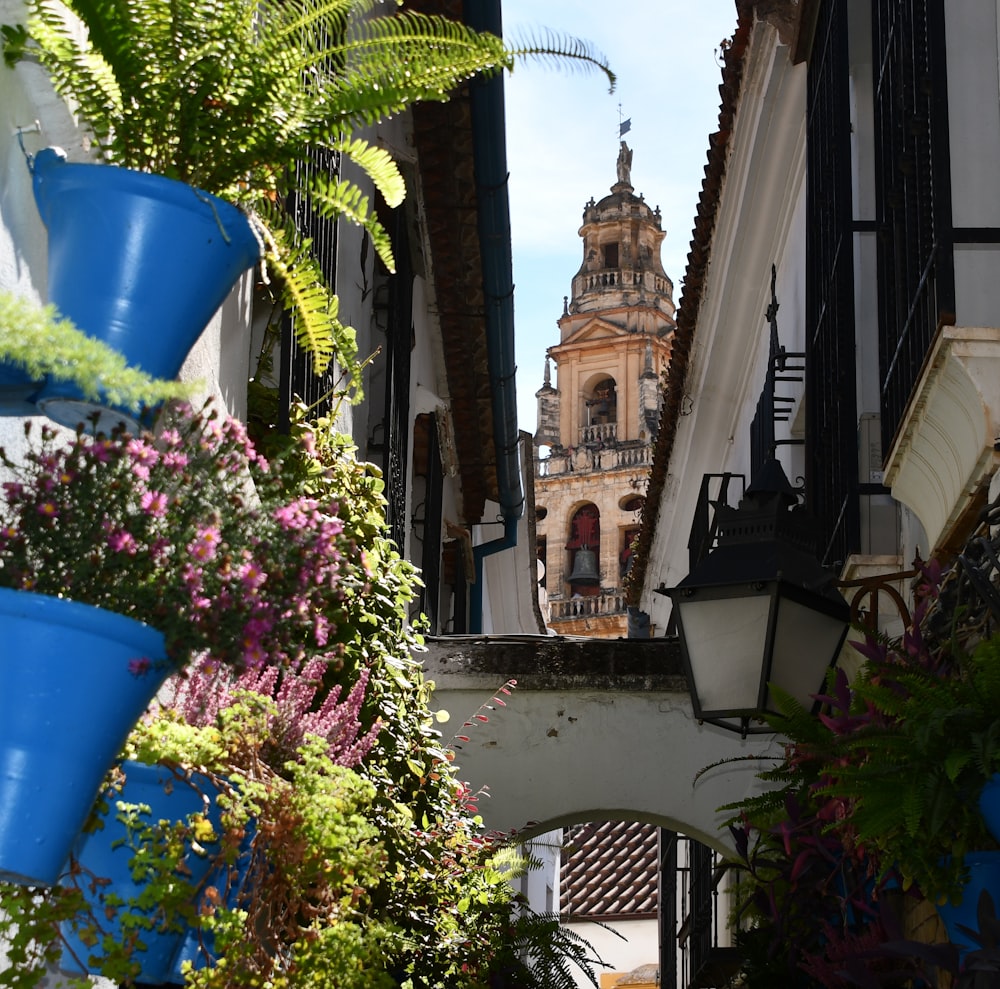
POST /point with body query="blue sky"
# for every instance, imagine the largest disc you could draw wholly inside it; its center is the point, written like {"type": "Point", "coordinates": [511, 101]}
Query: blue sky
{"type": "Point", "coordinates": [562, 143]}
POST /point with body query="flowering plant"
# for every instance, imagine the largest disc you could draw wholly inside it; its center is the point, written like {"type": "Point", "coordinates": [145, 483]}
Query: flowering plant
{"type": "Point", "coordinates": [188, 530]}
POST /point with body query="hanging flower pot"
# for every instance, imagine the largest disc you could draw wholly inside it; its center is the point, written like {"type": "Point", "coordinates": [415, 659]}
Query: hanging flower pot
{"type": "Point", "coordinates": [108, 853]}
{"type": "Point", "coordinates": [136, 260]}
{"type": "Point", "coordinates": [17, 391]}
{"type": "Point", "coordinates": [984, 874]}
{"type": "Point", "coordinates": [229, 885]}
{"type": "Point", "coordinates": [73, 681]}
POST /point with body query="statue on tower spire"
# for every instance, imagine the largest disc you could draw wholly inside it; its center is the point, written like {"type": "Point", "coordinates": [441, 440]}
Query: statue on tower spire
{"type": "Point", "coordinates": [625, 164]}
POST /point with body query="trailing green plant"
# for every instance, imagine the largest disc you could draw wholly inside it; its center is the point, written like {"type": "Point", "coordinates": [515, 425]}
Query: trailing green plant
{"type": "Point", "coordinates": [371, 861]}
{"type": "Point", "coordinates": [39, 342]}
{"type": "Point", "coordinates": [308, 850]}
{"type": "Point", "coordinates": [231, 95]}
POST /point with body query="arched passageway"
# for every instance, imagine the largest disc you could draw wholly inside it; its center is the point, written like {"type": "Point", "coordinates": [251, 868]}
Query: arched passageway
{"type": "Point", "coordinates": [596, 729]}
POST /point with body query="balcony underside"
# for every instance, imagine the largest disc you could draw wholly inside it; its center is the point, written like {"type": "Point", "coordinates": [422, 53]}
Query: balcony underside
{"type": "Point", "coordinates": [945, 450]}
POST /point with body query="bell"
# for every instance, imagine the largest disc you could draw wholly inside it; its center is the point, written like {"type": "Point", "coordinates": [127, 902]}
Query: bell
{"type": "Point", "coordinates": [584, 568]}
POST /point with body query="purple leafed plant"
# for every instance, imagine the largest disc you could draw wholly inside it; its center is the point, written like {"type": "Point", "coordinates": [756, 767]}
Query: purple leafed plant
{"type": "Point", "coordinates": [302, 706]}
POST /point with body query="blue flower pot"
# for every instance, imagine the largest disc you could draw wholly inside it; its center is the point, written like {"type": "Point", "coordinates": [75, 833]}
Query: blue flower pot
{"type": "Point", "coordinates": [137, 261]}
{"type": "Point", "coordinates": [68, 698]}
{"type": "Point", "coordinates": [106, 854]}
{"type": "Point", "coordinates": [17, 391]}
{"type": "Point", "coordinates": [984, 874]}
{"type": "Point", "coordinates": [198, 947]}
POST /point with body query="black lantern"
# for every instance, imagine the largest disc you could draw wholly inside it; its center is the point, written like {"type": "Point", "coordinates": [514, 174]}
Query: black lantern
{"type": "Point", "coordinates": [759, 610]}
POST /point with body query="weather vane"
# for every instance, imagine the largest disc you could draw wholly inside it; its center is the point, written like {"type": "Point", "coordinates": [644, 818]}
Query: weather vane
{"type": "Point", "coordinates": [624, 126]}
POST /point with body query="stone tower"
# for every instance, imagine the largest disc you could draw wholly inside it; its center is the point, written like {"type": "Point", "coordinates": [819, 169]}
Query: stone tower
{"type": "Point", "coordinates": [595, 427]}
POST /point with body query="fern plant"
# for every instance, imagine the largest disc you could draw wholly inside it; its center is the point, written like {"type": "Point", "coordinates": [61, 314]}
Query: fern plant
{"type": "Point", "coordinates": [913, 775]}
{"type": "Point", "coordinates": [228, 95]}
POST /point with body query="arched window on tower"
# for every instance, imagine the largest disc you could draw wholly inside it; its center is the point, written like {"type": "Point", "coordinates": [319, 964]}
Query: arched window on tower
{"type": "Point", "coordinates": [602, 405]}
{"type": "Point", "coordinates": [584, 571]}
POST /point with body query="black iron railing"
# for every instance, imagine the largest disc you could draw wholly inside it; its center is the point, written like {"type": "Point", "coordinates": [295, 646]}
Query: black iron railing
{"type": "Point", "coordinates": [832, 494]}
{"type": "Point", "coordinates": [298, 378]}
{"type": "Point", "coordinates": [916, 279]}
{"type": "Point", "coordinates": [396, 412]}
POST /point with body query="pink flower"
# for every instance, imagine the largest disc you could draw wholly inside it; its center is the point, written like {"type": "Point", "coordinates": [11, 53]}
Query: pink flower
{"type": "Point", "coordinates": [251, 575]}
{"type": "Point", "coordinates": [142, 453]}
{"type": "Point", "coordinates": [154, 503]}
{"type": "Point", "coordinates": [296, 514]}
{"type": "Point", "coordinates": [321, 630]}
{"type": "Point", "coordinates": [49, 509]}
{"type": "Point", "coordinates": [139, 665]}
{"type": "Point", "coordinates": [205, 546]}
{"type": "Point", "coordinates": [254, 654]}
{"type": "Point", "coordinates": [120, 541]}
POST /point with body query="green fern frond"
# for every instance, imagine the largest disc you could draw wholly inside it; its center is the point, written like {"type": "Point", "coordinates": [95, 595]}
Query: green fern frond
{"type": "Point", "coordinates": [230, 95]}
{"type": "Point", "coordinates": [305, 293]}
{"type": "Point", "coordinates": [378, 165]}
{"type": "Point", "coordinates": [551, 48]}
{"type": "Point", "coordinates": [338, 197]}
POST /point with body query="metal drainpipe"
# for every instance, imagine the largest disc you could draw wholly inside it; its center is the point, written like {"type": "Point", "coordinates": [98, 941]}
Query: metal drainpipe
{"type": "Point", "coordinates": [493, 208]}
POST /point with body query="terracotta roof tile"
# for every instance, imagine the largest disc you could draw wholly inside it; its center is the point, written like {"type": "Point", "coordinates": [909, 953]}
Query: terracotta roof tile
{"type": "Point", "coordinates": [609, 870]}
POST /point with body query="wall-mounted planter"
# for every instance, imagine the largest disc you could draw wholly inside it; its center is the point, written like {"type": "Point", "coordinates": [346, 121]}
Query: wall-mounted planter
{"type": "Point", "coordinates": [106, 854]}
{"type": "Point", "coordinates": [984, 874]}
{"type": "Point", "coordinates": [137, 261]}
{"type": "Point", "coordinates": [69, 695]}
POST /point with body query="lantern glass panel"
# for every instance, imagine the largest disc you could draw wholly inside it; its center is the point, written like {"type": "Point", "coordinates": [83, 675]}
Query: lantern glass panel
{"type": "Point", "coordinates": [725, 638]}
{"type": "Point", "coordinates": [806, 642]}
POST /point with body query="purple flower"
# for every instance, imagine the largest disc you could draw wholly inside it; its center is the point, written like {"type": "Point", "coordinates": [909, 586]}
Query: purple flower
{"type": "Point", "coordinates": [251, 575]}
{"type": "Point", "coordinates": [139, 665]}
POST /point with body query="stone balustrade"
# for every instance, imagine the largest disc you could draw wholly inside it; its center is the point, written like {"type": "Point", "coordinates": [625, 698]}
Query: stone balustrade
{"type": "Point", "coordinates": [588, 607]}
{"type": "Point", "coordinates": [584, 459]}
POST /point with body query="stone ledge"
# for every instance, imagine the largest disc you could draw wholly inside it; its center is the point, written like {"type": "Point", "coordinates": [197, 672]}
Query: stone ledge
{"type": "Point", "coordinates": [556, 663]}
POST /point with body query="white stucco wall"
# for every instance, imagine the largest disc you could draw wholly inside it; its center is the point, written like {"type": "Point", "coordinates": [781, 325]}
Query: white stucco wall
{"type": "Point", "coordinates": [623, 945]}
{"type": "Point", "coordinates": [761, 221]}
{"type": "Point", "coordinates": [554, 757]}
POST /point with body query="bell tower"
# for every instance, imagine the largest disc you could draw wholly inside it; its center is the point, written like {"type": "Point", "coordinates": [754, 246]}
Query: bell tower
{"type": "Point", "coordinates": [593, 445]}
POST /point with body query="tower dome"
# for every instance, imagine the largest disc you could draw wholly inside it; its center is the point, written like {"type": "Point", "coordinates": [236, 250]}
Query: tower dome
{"type": "Point", "coordinates": [621, 252]}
